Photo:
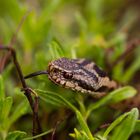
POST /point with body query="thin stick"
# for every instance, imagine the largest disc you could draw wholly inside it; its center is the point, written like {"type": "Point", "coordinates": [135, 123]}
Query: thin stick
{"type": "Point", "coordinates": [58, 123]}
{"type": "Point", "coordinates": [27, 93]}
{"type": "Point", "coordinates": [35, 108]}
{"type": "Point", "coordinates": [54, 130]}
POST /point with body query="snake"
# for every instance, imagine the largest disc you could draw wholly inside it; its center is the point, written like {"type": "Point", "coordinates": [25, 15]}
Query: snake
{"type": "Point", "coordinates": [79, 75]}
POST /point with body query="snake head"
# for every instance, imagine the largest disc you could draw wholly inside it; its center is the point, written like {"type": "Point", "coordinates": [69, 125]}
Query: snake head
{"type": "Point", "coordinates": [61, 70]}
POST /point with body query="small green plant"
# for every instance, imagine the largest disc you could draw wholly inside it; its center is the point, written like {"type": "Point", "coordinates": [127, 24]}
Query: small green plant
{"type": "Point", "coordinates": [115, 96]}
{"type": "Point", "coordinates": [8, 117]}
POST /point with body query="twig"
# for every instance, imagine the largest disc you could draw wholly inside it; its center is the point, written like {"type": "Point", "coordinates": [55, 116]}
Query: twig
{"type": "Point", "coordinates": [35, 115]}
{"type": "Point", "coordinates": [54, 129]}
{"type": "Point", "coordinates": [57, 124]}
{"type": "Point", "coordinates": [27, 93]}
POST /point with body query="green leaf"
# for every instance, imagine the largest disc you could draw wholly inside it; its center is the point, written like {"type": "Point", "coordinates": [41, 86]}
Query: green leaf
{"type": "Point", "coordinates": [98, 137]}
{"type": "Point", "coordinates": [113, 97]}
{"type": "Point", "coordinates": [16, 135]}
{"type": "Point", "coordinates": [79, 135]}
{"type": "Point", "coordinates": [114, 124]}
{"type": "Point", "coordinates": [127, 126]}
{"type": "Point", "coordinates": [50, 8]}
{"type": "Point", "coordinates": [82, 25]}
{"type": "Point", "coordinates": [19, 111]}
{"type": "Point", "coordinates": [2, 93]}
{"type": "Point", "coordinates": [84, 125]}
{"type": "Point", "coordinates": [123, 94]}
{"type": "Point", "coordinates": [123, 126]}
{"type": "Point", "coordinates": [5, 107]}
{"type": "Point", "coordinates": [56, 50]}
{"type": "Point", "coordinates": [40, 135]}
{"type": "Point", "coordinates": [118, 71]}
{"type": "Point", "coordinates": [55, 99]}
{"type": "Point", "coordinates": [7, 104]}
{"type": "Point", "coordinates": [51, 100]}
{"type": "Point", "coordinates": [128, 74]}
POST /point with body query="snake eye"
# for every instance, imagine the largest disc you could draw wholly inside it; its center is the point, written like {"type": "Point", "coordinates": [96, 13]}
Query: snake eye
{"type": "Point", "coordinates": [67, 75]}
{"type": "Point", "coordinates": [55, 71]}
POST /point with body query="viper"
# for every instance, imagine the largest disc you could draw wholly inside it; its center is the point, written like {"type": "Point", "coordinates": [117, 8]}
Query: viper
{"type": "Point", "coordinates": [79, 75]}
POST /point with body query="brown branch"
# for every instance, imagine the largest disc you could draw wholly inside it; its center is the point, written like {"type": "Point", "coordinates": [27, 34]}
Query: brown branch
{"type": "Point", "coordinates": [58, 123]}
{"type": "Point", "coordinates": [27, 93]}
{"type": "Point", "coordinates": [54, 130]}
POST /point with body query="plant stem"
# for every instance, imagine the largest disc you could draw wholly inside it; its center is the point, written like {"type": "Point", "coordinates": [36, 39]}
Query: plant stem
{"type": "Point", "coordinates": [27, 93]}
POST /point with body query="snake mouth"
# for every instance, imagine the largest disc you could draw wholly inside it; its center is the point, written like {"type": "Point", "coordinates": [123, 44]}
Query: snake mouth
{"type": "Point", "coordinates": [55, 75]}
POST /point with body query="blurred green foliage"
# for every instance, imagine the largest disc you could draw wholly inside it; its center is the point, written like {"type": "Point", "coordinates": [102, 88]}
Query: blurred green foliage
{"type": "Point", "coordinates": [94, 29]}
